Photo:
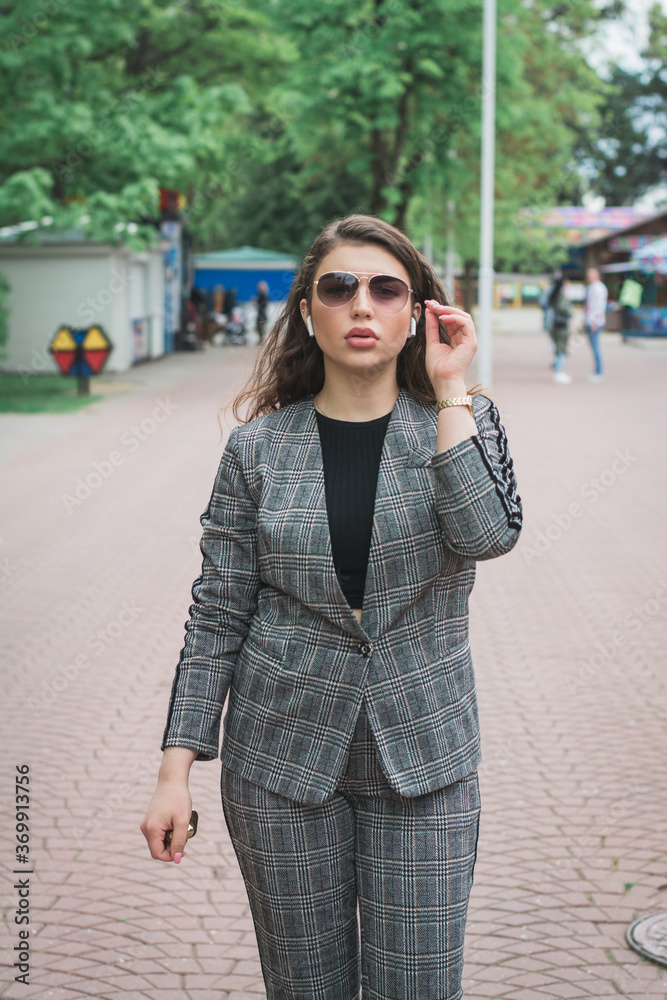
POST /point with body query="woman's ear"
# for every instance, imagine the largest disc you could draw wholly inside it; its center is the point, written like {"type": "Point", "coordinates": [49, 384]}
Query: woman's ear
{"type": "Point", "coordinates": [417, 311]}
{"type": "Point", "coordinates": [305, 316]}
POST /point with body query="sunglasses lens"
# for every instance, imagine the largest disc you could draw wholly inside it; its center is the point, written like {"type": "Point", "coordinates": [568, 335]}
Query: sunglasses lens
{"type": "Point", "coordinates": [336, 288]}
{"type": "Point", "coordinates": [339, 287]}
{"type": "Point", "coordinates": [388, 293]}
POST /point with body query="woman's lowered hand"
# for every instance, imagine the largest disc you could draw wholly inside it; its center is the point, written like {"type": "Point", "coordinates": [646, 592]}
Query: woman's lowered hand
{"type": "Point", "coordinates": [171, 806]}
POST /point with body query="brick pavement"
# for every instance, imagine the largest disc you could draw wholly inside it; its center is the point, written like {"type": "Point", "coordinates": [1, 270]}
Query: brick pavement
{"type": "Point", "coordinates": [568, 635]}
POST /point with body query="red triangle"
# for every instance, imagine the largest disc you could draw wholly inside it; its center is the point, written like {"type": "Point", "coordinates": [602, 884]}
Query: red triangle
{"type": "Point", "coordinates": [96, 359]}
{"type": "Point", "coordinates": [65, 360]}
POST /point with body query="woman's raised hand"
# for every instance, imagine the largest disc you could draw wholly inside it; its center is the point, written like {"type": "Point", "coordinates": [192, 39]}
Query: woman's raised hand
{"type": "Point", "coordinates": [447, 364]}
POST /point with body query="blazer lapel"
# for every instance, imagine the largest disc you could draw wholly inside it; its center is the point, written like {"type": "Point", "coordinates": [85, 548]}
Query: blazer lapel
{"type": "Point", "coordinates": [333, 603]}
{"type": "Point", "coordinates": [409, 443]}
{"type": "Point", "coordinates": [401, 513]}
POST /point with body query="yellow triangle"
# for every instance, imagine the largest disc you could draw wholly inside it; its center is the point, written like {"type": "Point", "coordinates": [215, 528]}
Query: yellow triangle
{"type": "Point", "coordinates": [63, 340]}
{"type": "Point", "coordinates": [95, 340]}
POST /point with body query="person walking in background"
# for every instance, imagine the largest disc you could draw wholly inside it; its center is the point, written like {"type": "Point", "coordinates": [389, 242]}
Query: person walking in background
{"type": "Point", "coordinates": [230, 301]}
{"type": "Point", "coordinates": [560, 331]}
{"type": "Point", "coordinates": [595, 317]}
{"type": "Point", "coordinates": [262, 303]}
{"type": "Point", "coordinates": [548, 312]}
{"type": "Point", "coordinates": [339, 550]}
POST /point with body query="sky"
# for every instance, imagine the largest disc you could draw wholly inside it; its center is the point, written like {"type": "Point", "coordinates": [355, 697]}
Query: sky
{"type": "Point", "coordinates": [622, 40]}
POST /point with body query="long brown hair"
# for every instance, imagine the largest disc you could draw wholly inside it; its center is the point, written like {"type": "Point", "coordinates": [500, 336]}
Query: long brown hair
{"type": "Point", "coordinates": [290, 365]}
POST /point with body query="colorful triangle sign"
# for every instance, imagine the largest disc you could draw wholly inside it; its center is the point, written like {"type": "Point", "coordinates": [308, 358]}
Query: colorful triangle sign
{"type": "Point", "coordinates": [80, 352]}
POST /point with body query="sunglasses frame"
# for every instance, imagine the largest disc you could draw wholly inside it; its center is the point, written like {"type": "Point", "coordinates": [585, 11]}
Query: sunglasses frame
{"type": "Point", "coordinates": [360, 276]}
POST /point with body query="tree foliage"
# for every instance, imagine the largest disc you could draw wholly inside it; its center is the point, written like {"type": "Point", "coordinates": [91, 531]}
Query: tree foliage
{"type": "Point", "coordinates": [101, 103]}
{"type": "Point", "coordinates": [276, 116]}
{"type": "Point", "coordinates": [386, 102]}
{"type": "Point", "coordinates": [627, 155]}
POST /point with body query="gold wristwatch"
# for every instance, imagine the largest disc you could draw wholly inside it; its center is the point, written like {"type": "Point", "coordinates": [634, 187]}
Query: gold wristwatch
{"type": "Point", "coordinates": [456, 401]}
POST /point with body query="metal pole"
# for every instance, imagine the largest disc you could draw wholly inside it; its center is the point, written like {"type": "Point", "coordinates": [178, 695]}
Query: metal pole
{"type": "Point", "coordinates": [485, 280]}
{"type": "Point", "coordinates": [450, 282]}
{"type": "Point", "coordinates": [428, 246]}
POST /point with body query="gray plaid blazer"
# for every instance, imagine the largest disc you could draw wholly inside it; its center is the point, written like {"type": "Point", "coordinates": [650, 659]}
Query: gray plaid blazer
{"type": "Point", "coordinates": [270, 624]}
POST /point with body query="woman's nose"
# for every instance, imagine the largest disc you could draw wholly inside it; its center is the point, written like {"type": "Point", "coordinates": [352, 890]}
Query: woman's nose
{"type": "Point", "coordinates": [362, 300]}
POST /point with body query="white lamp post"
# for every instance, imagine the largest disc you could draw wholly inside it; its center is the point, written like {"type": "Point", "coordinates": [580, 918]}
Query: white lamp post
{"type": "Point", "coordinates": [485, 278]}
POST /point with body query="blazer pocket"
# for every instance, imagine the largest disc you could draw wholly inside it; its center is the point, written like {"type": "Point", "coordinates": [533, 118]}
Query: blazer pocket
{"type": "Point", "coordinates": [457, 671]}
{"type": "Point", "coordinates": [265, 660]}
{"type": "Point", "coordinates": [419, 457]}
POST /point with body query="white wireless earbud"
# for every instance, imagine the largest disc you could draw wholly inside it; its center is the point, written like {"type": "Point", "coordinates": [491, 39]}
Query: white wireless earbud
{"type": "Point", "coordinates": [413, 327]}
{"type": "Point", "coordinates": [309, 324]}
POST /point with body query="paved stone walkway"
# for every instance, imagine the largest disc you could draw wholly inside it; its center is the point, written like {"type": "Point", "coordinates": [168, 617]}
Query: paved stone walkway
{"type": "Point", "coordinates": [568, 635]}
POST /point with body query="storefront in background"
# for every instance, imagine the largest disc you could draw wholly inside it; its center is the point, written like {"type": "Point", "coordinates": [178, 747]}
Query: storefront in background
{"type": "Point", "coordinates": [510, 291]}
{"type": "Point", "coordinates": [634, 257]}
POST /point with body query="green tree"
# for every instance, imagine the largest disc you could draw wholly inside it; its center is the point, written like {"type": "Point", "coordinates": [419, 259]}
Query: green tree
{"type": "Point", "coordinates": [102, 102]}
{"type": "Point", "coordinates": [627, 156]}
{"type": "Point", "coordinates": [386, 115]}
{"type": "Point", "coordinates": [274, 118]}
{"type": "Point", "coordinates": [545, 91]}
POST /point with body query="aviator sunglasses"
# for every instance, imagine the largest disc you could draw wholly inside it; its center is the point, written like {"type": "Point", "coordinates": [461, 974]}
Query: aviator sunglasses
{"type": "Point", "coordinates": [337, 288]}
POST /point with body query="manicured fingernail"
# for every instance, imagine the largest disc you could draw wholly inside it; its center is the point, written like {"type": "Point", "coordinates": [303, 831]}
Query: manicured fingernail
{"type": "Point", "coordinates": [177, 858]}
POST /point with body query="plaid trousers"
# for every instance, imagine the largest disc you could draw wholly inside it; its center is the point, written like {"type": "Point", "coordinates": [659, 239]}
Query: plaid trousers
{"type": "Point", "coordinates": [368, 890]}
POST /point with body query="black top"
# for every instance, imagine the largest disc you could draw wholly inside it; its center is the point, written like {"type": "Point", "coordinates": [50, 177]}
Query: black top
{"type": "Point", "coordinates": [351, 458]}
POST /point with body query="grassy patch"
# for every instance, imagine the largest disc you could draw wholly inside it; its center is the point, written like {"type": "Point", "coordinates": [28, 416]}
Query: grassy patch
{"type": "Point", "coordinates": [42, 394]}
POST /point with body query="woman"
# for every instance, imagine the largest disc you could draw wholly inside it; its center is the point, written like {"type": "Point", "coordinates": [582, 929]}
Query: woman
{"type": "Point", "coordinates": [339, 552]}
{"type": "Point", "coordinates": [560, 330]}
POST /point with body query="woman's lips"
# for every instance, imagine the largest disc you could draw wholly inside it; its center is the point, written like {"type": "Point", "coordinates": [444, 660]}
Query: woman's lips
{"type": "Point", "coordinates": [361, 337]}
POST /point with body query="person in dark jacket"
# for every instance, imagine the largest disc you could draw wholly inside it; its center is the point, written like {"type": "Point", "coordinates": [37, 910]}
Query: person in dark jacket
{"type": "Point", "coordinates": [548, 313]}
{"type": "Point", "coordinates": [262, 303]}
{"type": "Point", "coordinates": [230, 301]}
{"type": "Point", "coordinates": [560, 331]}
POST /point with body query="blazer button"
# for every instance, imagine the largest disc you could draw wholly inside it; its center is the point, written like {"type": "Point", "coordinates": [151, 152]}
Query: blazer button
{"type": "Point", "coordinates": [364, 649]}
